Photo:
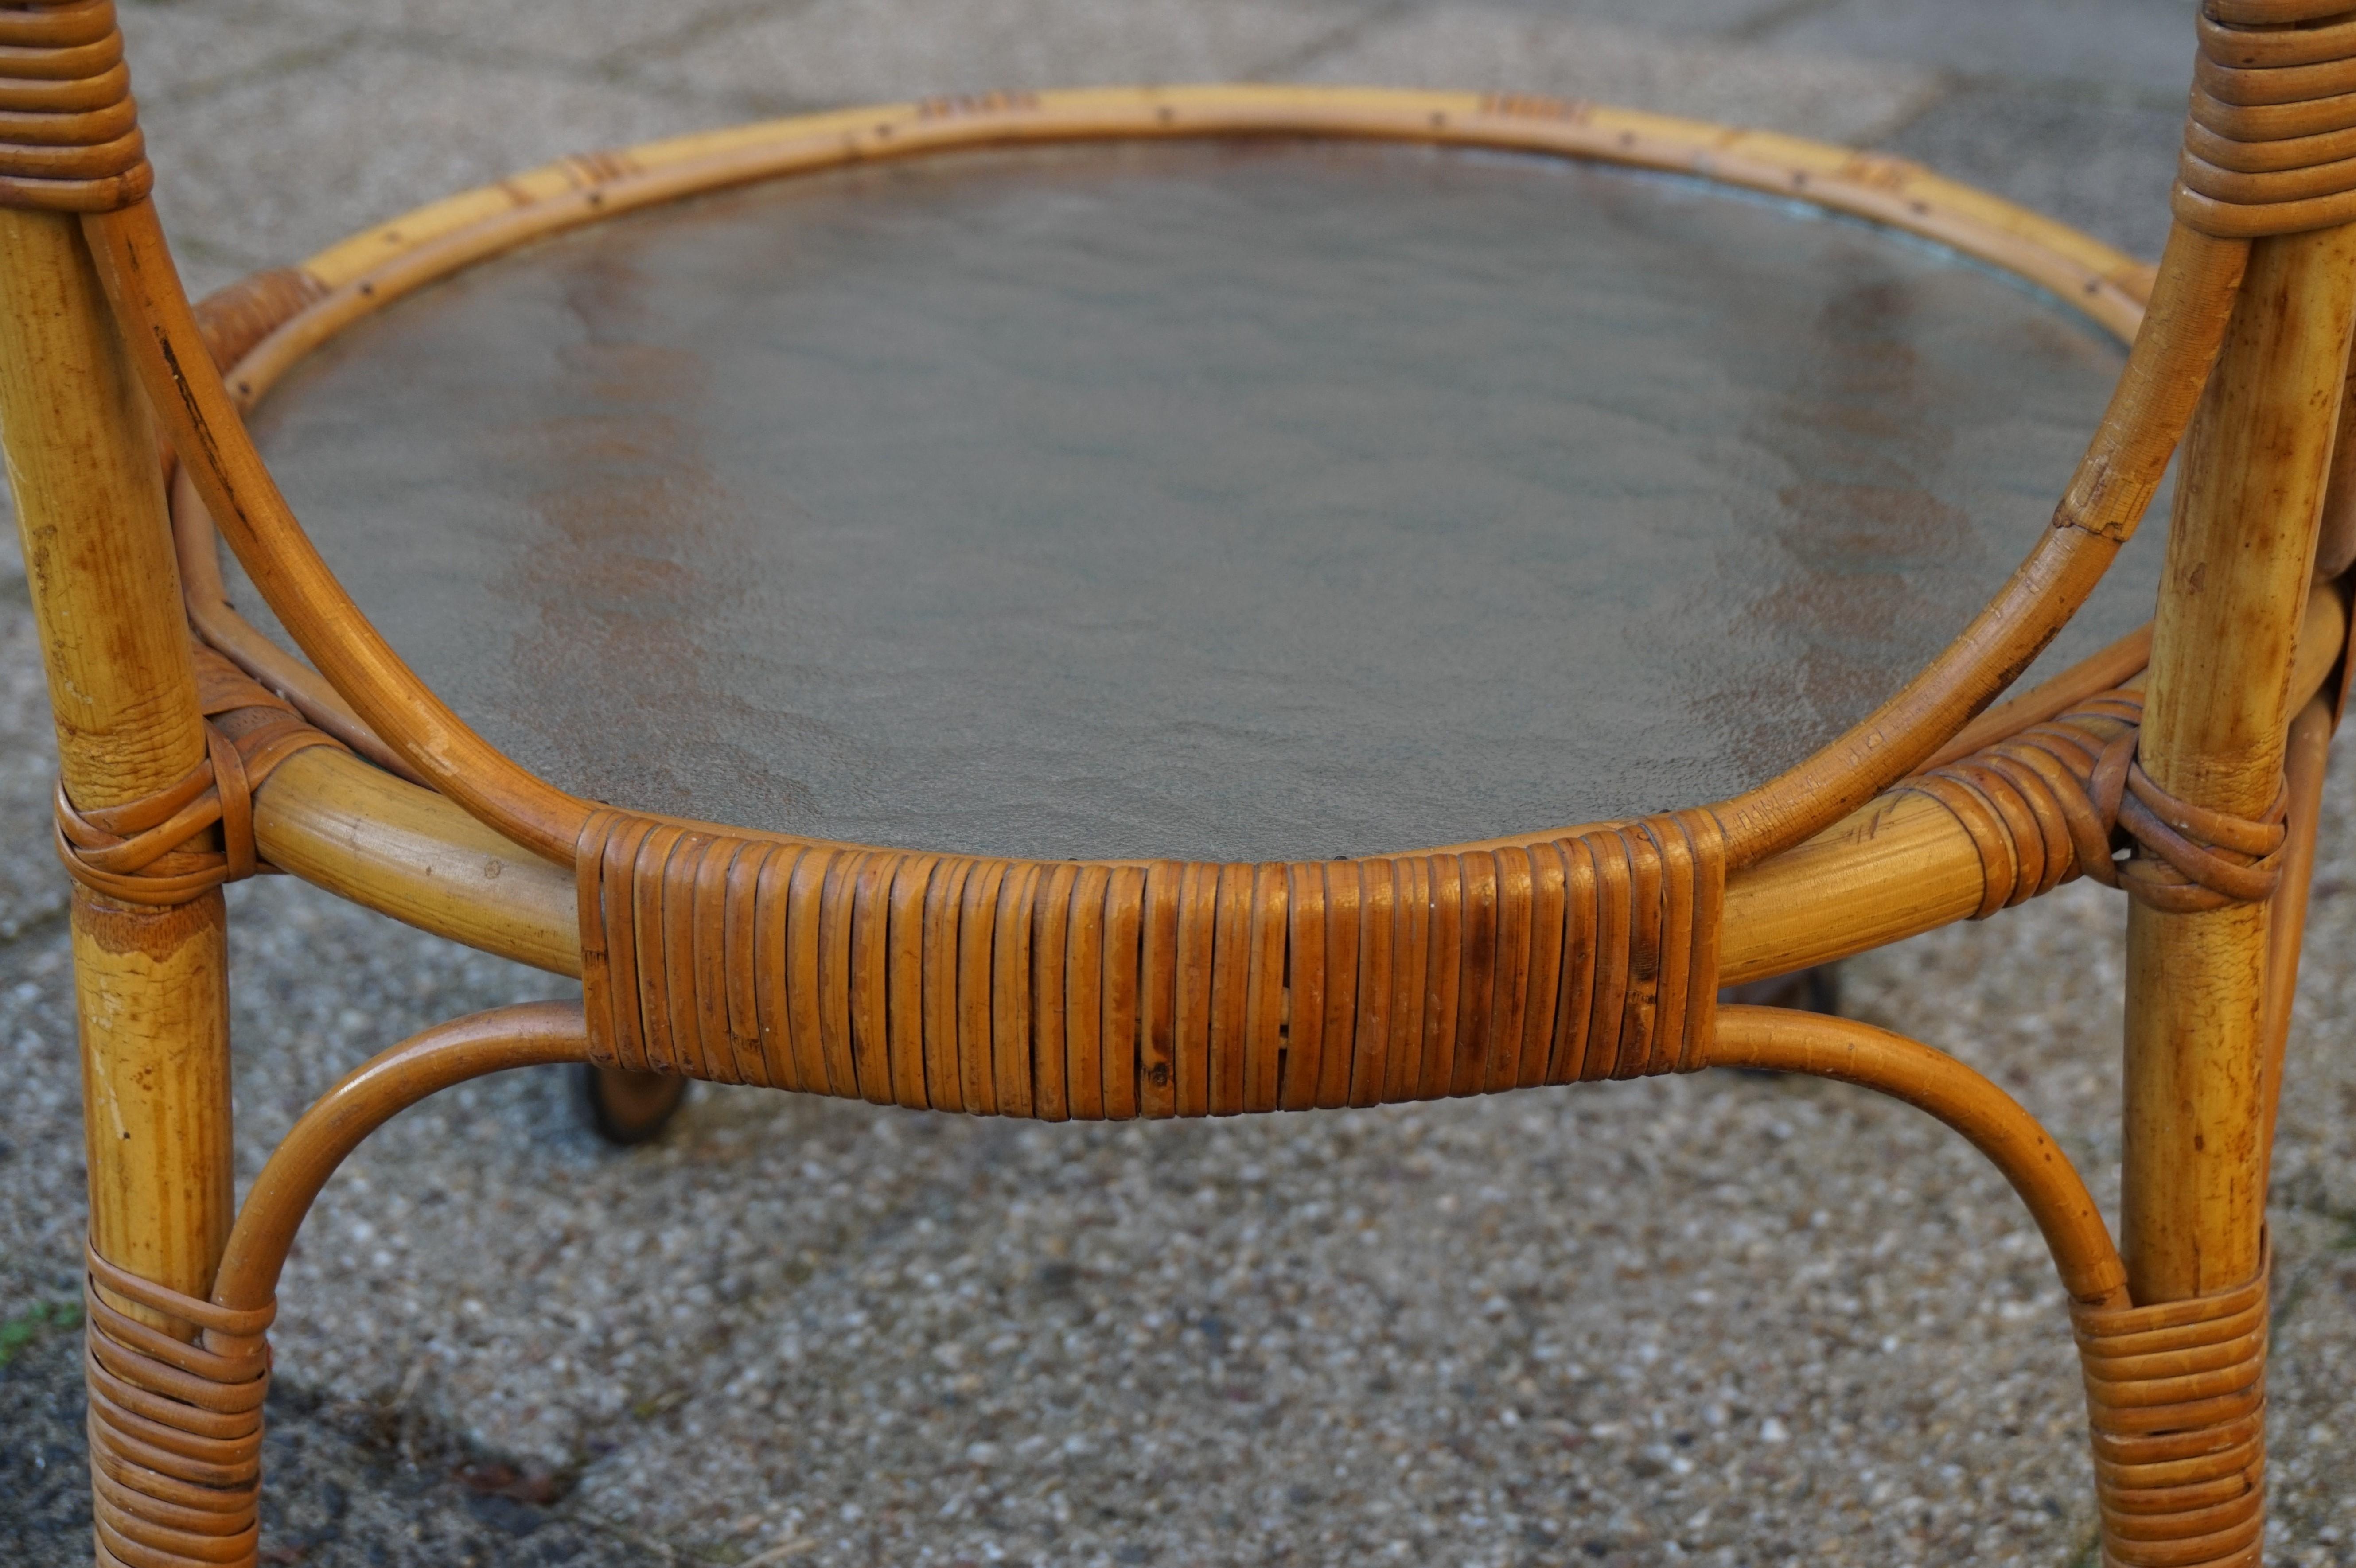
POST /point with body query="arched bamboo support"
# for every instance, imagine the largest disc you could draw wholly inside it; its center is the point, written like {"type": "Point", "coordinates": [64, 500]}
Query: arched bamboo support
{"type": "Point", "coordinates": [543, 1033]}
{"type": "Point", "coordinates": [1931, 1082]}
{"type": "Point", "coordinates": [530, 1034]}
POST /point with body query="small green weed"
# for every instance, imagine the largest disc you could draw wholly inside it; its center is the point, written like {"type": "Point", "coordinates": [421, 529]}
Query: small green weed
{"type": "Point", "coordinates": [43, 1318]}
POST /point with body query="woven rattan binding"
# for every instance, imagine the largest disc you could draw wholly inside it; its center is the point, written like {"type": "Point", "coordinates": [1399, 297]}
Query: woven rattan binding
{"type": "Point", "coordinates": [2177, 1397]}
{"type": "Point", "coordinates": [234, 318]}
{"type": "Point", "coordinates": [175, 1423]}
{"type": "Point", "coordinates": [152, 851]}
{"type": "Point", "coordinates": [69, 138]}
{"type": "Point", "coordinates": [2270, 146]}
{"type": "Point", "coordinates": [2053, 802]}
{"type": "Point", "coordinates": [1059, 989]}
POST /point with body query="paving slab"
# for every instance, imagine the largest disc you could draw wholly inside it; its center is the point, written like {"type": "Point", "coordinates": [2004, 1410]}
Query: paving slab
{"type": "Point", "coordinates": [2115, 185]}
{"type": "Point", "coordinates": [1480, 47]}
{"type": "Point", "coordinates": [595, 40]}
{"type": "Point", "coordinates": [186, 50]}
{"type": "Point", "coordinates": [31, 890]}
{"type": "Point", "coordinates": [851, 52]}
{"type": "Point", "coordinates": [2140, 46]}
{"type": "Point", "coordinates": [362, 133]}
{"type": "Point", "coordinates": [1734, 20]}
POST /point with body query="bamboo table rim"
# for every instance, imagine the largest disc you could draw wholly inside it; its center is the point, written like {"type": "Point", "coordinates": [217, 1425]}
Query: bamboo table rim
{"type": "Point", "coordinates": [1900, 865]}
{"type": "Point", "coordinates": [350, 281]}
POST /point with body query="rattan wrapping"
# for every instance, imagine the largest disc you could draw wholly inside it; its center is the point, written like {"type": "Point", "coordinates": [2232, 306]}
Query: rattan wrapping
{"type": "Point", "coordinates": [1059, 989]}
{"type": "Point", "coordinates": [70, 139]}
{"type": "Point", "coordinates": [2270, 147]}
{"type": "Point", "coordinates": [153, 851]}
{"type": "Point", "coordinates": [236, 318]}
{"type": "Point", "coordinates": [175, 1424]}
{"type": "Point", "coordinates": [2177, 1397]}
{"type": "Point", "coordinates": [2054, 800]}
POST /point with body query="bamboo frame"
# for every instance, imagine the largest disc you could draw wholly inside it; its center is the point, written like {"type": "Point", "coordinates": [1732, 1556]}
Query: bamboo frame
{"type": "Point", "coordinates": [1823, 860]}
{"type": "Point", "coordinates": [2239, 557]}
{"type": "Point", "coordinates": [150, 984]}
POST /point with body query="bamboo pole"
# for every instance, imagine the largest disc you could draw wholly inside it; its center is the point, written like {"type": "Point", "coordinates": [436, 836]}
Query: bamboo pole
{"type": "Point", "coordinates": [1903, 865]}
{"type": "Point", "coordinates": [2310, 746]}
{"type": "Point", "coordinates": [150, 983]}
{"type": "Point", "coordinates": [2239, 557]}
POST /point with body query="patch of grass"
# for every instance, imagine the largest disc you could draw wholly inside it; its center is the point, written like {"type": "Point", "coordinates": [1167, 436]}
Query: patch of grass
{"type": "Point", "coordinates": [36, 1321]}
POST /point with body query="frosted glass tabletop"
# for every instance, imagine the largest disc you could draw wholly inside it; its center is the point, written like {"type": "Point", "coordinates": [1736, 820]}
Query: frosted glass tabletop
{"type": "Point", "coordinates": [1221, 500]}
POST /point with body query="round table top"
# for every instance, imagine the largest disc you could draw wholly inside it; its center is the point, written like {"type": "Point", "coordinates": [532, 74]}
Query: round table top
{"type": "Point", "coordinates": [1219, 500]}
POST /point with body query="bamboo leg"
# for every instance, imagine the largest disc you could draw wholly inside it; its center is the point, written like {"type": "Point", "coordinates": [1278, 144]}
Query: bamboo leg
{"type": "Point", "coordinates": [2239, 560]}
{"type": "Point", "coordinates": [151, 982]}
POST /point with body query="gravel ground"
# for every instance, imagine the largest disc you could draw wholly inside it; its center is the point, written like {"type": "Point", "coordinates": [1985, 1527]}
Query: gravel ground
{"type": "Point", "coordinates": [1733, 1320]}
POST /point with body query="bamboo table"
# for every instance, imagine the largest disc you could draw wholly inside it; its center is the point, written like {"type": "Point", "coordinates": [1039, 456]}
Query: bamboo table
{"type": "Point", "coordinates": [1126, 384]}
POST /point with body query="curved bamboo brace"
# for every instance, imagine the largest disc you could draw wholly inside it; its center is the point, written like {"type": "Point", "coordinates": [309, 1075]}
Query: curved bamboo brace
{"type": "Point", "coordinates": [2198, 278]}
{"type": "Point", "coordinates": [543, 1033]}
{"type": "Point", "coordinates": [530, 1034]}
{"type": "Point", "coordinates": [210, 439]}
{"type": "Point", "coordinates": [1932, 1081]}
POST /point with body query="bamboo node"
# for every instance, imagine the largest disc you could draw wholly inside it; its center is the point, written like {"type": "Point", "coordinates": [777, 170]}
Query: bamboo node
{"type": "Point", "coordinates": [141, 852]}
{"type": "Point", "coordinates": [69, 138]}
{"type": "Point", "coordinates": [175, 1423]}
{"type": "Point", "coordinates": [2270, 142]}
{"type": "Point", "coordinates": [2060, 799]}
{"type": "Point", "coordinates": [2176, 1398]}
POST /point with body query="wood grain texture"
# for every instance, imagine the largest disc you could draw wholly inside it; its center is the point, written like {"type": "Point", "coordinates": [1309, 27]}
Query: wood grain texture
{"type": "Point", "coordinates": [2238, 565]}
{"type": "Point", "coordinates": [151, 988]}
{"type": "Point", "coordinates": [89, 512]}
{"type": "Point", "coordinates": [150, 983]}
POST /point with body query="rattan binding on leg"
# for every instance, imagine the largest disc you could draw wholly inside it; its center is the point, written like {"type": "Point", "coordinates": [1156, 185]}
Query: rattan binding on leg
{"type": "Point", "coordinates": [175, 1424]}
{"type": "Point", "coordinates": [1060, 990]}
{"type": "Point", "coordinates": [70, 139]}
{"type": "Point", "coordinates": [2177, 1397]}
{"type": "Point", "coordinates": [2055, 801]}
{"type": "Point", "coordinates": [151, 851]}
{"type": "Point", "coordinates": [2270, 146]}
